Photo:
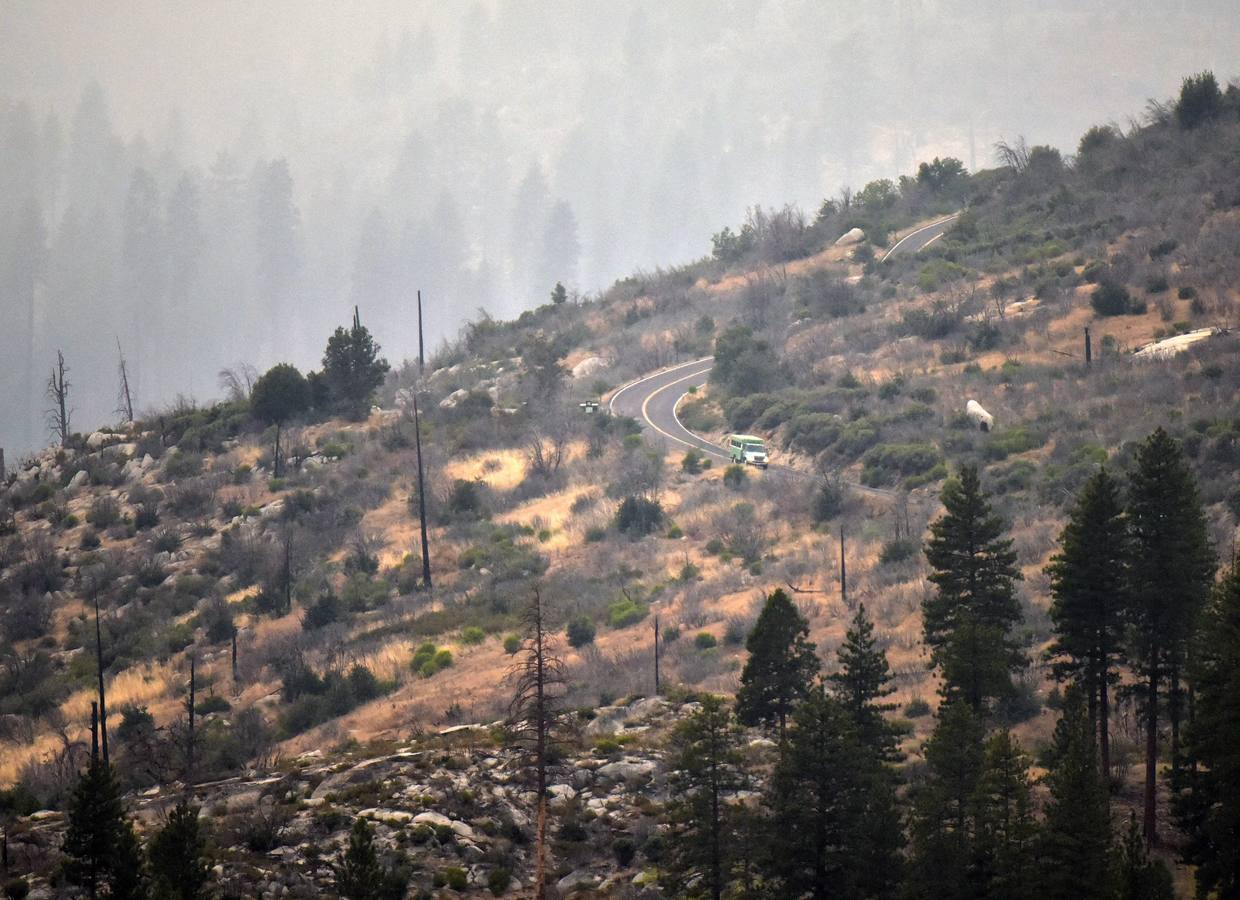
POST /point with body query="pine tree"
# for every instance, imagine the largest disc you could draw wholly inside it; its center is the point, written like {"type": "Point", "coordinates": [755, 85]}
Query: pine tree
{"type": "Point", "coordinates": [1089, 580]}
{"type": "Point", "coordinates": [1172, 569]}
{"type": "Point", "coordinates": [104, 857]}
{"type": "Point", "coordinates": [944, 807]}
{"type": "Point", "coordinates": [1137, 877]}
{"type": "Point", "coordinates": [352, 370]}
{"type": "Point", "coordinates": [360, 875]}
{"type": "Point", "coordinates": [533, 714]}
{"type": "Point", "coordinates": [1210, 810]}
{"type": "Point", "coordinates": [706, 770]}
{"type": "Point", "coordinates": [178, 852]}
{"type": "Point", "coordinates": [1075, 845]}
{"type": "Point", "coordinates": [834, 824]}
{"type": "Point", "coordinates": [968, 622]}
{"type": "Point", "coordinates": [1005, 831]}
{"type": "Point", "coordinates": [863, 680]}
{"type": "Point", "coordinates": [781, 665]}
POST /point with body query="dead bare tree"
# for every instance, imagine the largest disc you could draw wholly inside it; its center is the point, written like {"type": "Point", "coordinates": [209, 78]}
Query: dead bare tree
{"type": "Point", "coordinates": [539, 683]}
{"type": "Point", "coordinates": [1015, 156]}
{"type": "Point", "coordinates": [545, 449]}
{"type": "Point", "coordinates": [59, 416]}
{"type": "Point", "coordinates": [238, 382]}
{"type": "Point", "coordinates": [125, 396]}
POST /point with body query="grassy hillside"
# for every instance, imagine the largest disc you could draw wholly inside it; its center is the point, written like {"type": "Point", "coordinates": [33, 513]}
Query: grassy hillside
{"type": "Point", "coordinates": [854, 367]}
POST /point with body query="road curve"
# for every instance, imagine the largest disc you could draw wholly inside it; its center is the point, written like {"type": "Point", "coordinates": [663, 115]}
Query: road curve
{"type": "Point", "coordinates": [652, 399]}
{"type": "Point", "coordinates": [916, 241]}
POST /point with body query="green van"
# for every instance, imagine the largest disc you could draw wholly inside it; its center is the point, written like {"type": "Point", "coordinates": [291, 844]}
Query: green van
{"type": "Point", "coordinates": [745, 448]}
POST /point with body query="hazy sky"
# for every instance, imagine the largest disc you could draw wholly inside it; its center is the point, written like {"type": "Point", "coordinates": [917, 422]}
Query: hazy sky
{"type": "Point", "coordinates": [214, 168]}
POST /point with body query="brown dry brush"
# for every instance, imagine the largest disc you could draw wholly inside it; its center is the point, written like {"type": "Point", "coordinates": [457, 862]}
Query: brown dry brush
{"type": "Point", "coordinates": [539, 683]}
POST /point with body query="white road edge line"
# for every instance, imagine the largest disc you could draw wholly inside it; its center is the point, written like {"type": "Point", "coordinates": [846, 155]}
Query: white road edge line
{"type": "Point", "coordinates": [912, 234]}
{"type": "Point", "coordinates": [611, 403]}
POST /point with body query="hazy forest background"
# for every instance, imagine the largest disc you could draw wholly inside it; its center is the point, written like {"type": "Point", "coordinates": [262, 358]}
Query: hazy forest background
{"type": "Point", "coordinates": [220, 186]}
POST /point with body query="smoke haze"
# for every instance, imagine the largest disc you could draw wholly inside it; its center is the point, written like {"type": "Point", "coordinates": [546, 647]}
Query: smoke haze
{"type": "Point", "coordinates": [218, 183]}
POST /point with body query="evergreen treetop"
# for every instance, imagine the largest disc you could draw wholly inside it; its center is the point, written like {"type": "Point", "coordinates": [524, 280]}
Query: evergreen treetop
{"type": "Point", "coordinates": [781, 667]}
{"type": "Point", "coordinates": [863, 680]}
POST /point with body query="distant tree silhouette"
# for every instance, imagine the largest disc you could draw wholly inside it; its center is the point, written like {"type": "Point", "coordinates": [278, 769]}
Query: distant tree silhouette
{"type": "Point", "coordinates": [105, 859]}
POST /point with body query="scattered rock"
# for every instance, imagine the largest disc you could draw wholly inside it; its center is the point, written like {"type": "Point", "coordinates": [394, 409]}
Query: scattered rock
{"type": "Point", "coordinates": [851, 236]}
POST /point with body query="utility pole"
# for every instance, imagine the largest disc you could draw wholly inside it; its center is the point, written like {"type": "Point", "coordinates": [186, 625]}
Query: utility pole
{"type": "Point", "coordinates": [1089, 350]}
{"type": "Point", "coordinates": [234, 658]}
{"type": "Point", "coordinates": [843, 570]}
{"type": "Point", "coordinates": [426, 549]}
{"type": "Point", "coordinates": [189, 706]}
{"type": "Point", "coordinates": [421, 354]}
{"type": "Point", "coordinates": [103, 706]}
{"type": "Point", "coordinates": [656, 654]}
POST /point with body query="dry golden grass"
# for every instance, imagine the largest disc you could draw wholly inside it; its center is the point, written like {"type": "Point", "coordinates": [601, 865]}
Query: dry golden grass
{"type": "Point", "coordinates": [501, 470]}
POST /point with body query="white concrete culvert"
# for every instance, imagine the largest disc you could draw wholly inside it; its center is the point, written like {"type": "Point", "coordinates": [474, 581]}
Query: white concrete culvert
{"type": "Point", "coordinates": [978, 416]}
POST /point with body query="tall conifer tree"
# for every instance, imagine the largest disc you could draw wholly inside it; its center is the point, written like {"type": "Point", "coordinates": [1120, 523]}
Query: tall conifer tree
{"type": "Point", "coordinates": [1172, 569]}
{"type": "Point", "coordinates": [1075, 856]}
{"type": "Point", "coordinates": [1089, 581]}
{"type": "Point", "coordinates": [781, 665]}
{"type": "Point", "coordinates": [835, 827]}
{"type": "Point", "coordinates": [706, 772]}
{"type": "Point", "coordinates": [1210, 810]}
{"type": "Point", "coordinates": [863, 680]}
{"type": "Point", "coordinates": [969, 620]}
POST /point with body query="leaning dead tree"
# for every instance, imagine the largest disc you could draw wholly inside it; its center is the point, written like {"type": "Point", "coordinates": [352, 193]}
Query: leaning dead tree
{"type": "Point", "coordinates": [124, 394]}
{"type": "Point", "coordinates": [539, 682]}
{"type": "Point", "coordinates": [59, 415]}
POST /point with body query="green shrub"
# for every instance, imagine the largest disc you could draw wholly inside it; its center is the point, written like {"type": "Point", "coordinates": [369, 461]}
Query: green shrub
{"type": "Point", "coordinates": [429, 660]}
{"type": "Point", "coordinates": [1111, 298]}
{"type": "Point", "coordinates": [580, 632]}
{"type": "Point", "coordinates": [472, 634]}
{"type": "Point", "coordinates": [1017, 439]}
{"type": "Point", "coordinates": [512, 644]}
{"type": "Point", "coordinates": [1186, 292]}
{"type": "Point", "coordinates": [671, 633]}
{"type": "Point", "coordinates": [704, 640]}
{"type": "Point", "coordinates": [734, 476]}
{"type": "Point", "coordinates": [813, 432]}
{"type": "Point", "coordinates": [1156, 284]}
{"type": "Point", "coordinates": [625, 612]}
{"type": "Point", "coordinates": [498, 881]}
{"type": "Point", "coordinates": [828, 501]}
{"type": "Point", "coordinates": [692, 462]}
{"type": "Point", "coordinates": [212, 704]}
{"type": "Point", "coordinates": [639, 516]}
{"type": "Point", "coordinates": [104, 512]}
{"type": "Point", "coordinates": [899, 551]}
{"type": "Point", "coordinates": [916, 708]}
{"type": "Point", "coordinates": [886, 463]}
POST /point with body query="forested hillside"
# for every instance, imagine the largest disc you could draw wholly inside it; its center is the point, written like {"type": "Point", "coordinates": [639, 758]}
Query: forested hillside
{"type": "Point", "coordinates": [393, 627]}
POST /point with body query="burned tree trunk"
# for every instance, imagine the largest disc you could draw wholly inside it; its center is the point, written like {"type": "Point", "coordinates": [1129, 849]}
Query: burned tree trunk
{"type": "Point", "coordinates": [539, 680]}
{"type": "Point", "coordinates": [59, 415]}
{"type": "Point", "coordinates": [126, 396]}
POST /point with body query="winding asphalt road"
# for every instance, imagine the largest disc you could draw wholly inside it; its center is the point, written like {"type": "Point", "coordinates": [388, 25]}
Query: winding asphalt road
{"type": "Point", "coordinates": [653, 398]}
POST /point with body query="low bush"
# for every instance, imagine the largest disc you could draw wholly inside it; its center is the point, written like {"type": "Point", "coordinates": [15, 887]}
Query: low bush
{"type": "Point", "coordinates": [639, 516]}
{"type": "Point", "coordinates": [580, 632]}
{"type": "Point", "coordinates": [429, 660]}
{"type": "Point", "coordinates": [899, 551]}
{"type": "Point", "coordinates": [887, 463]}
{"type": "Point", "coordinates": [472, 635]}
{"type": "Point", "coordinates": [704, 640]}
{"type": "Point", "coordinates": [625, 612]}
{"type": "Point", "coordinates": [735, 477]}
